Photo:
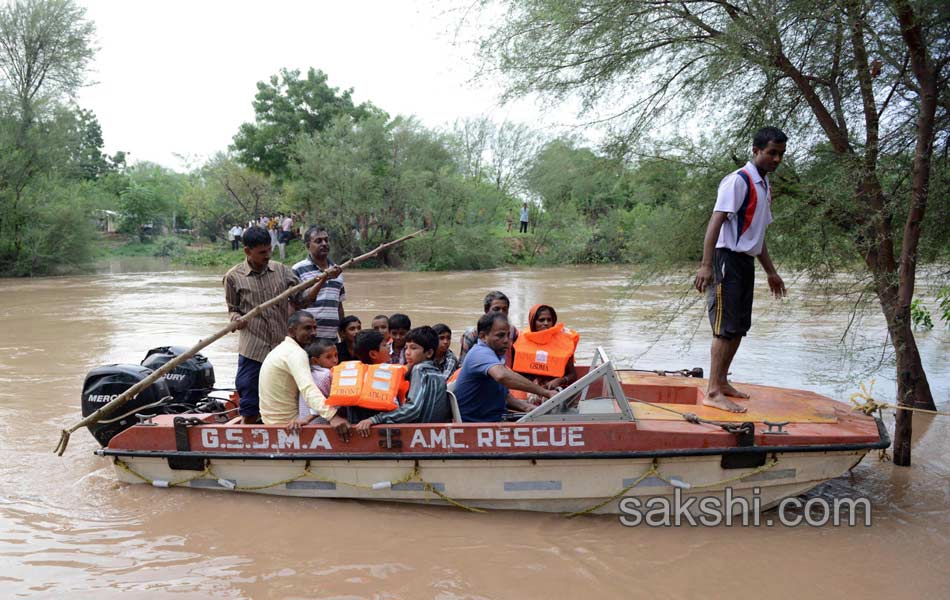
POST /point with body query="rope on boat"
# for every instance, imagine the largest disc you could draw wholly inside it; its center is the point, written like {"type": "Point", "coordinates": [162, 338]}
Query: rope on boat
{"type": "Point", "coordinates": [870, 405]}
{"type": "Point", "coordinates": [414, 474]}
{"type": "Point", "coordinates": [654, 470]}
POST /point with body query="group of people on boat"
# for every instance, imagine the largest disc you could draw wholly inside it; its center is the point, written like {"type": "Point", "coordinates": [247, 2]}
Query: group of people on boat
{"type": "Point", "coordinates": [320, 365]}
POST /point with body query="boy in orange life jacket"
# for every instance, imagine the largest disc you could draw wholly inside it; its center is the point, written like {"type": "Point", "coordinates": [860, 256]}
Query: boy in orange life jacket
{"type": "Point", "coordinates": [427, 401]}
{"type": "Point", "coordinates": [399, 326]}
{"type": "Point", "coordinates": [371, 349]}
{"type": "Point", "coordinates": [323, 357]}
{"type": "Point", "coordinates": [542, 317]}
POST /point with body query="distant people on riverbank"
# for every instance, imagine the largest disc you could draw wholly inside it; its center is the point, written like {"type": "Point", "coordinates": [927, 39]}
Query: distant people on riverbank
{"type": "Point", "coordinates": [524, 218]}
{"type": "Point", "coordinates": [482, 387]}
{"type": "Point", "coordinates": [494, 302]}
{"type": "Point", "coordinates": [324, 300]}
{"type": "Point", "coordinates": [509, 221]}
{"type": "Point", "coordinates": [234, 234]}
{"type": "Point", "coordinates": [284, 235]}
{"type": "Point", "coordinates": [254, 281]}
{"type": "Point", "coordinates": [735, 237]}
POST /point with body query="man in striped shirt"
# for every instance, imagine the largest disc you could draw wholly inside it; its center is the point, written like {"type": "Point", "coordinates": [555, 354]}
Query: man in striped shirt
{"type": "Point", "coordinates": [248, 284]}
{"type": "Point", "coordinates": [325, 300]}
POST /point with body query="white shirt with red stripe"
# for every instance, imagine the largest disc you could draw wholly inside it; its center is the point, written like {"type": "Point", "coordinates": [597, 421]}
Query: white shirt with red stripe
{"type": "Point", "coordinates": [749, 210]}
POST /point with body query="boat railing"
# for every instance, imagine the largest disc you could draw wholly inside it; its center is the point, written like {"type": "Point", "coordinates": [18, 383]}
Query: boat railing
{"type": "Point", "coordinates": [572, 403]}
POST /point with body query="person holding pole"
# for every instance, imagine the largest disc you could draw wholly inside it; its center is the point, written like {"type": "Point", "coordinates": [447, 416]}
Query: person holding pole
{"type": "Point", "coordinates": [735, 237]}
{"type": "Point", "coordinates": [252, 282]}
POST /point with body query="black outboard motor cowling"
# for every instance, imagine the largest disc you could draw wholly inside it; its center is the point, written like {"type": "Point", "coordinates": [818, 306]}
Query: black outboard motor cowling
{"type": "Point", "coordinates": [104, 384]}
{"type": "Point", "coordinates": [189, 382]}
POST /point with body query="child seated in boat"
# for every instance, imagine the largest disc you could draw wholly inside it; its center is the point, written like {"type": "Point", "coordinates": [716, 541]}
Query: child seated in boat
{"type": "Point", "coordinates": [545, 353]}
{"type": "Point", "coordinates": [371, 349]}
{"type": "Point", "coordinates": [323, 357]}
{"type": "Point", "coordinates": [427, 400]}
{"type": "Point", "coordinates": [444, 359]}
{"type": "Point", "coordinates": [381, 324]}
{"type": "Point", "coordinates": [399, 326]}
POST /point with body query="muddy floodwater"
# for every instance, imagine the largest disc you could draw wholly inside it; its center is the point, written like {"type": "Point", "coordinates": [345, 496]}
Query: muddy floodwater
{"type": "Point", "coordinates": [68, 529]}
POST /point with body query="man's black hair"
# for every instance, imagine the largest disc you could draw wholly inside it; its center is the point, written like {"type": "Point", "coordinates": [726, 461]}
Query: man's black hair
{"type": "Point", "coordinates": [311, 231]}
{"type": "Point", "coordinates": [768, 134]}
{"type": "Point", "coordinates": [441, 328]}
{"type": "Point", "coordinates": [255, 236]}
{"type": "Point", "coordinates": [297, 317]}
{"type": "Point", "coordinates": [425, 336]}
{"type": "Point", "coordinates": [496, 295]}
{"type": "Point", "coordinates": [317, 348]}
{"type": "Point", "coordinates": [400, 321]}
{"type": "Point", "coordinates": [345, 322]}
{"type": "Point", "coordinates": [487, 321]}
{"type": "Point", "coordinates": [367, 340]}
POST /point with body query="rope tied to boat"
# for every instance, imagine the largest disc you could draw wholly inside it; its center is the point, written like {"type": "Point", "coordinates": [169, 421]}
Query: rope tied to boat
{"type": "Point", "coordinates": [414, 474]}
{"type": "Point", "coordinates": [864, 402]}
{"type": "Point", "coordinates": [654, 471]}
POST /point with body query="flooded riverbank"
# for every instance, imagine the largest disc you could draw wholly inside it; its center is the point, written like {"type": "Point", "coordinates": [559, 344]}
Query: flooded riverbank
{"type": "Point", "coordinates": [67, 526]}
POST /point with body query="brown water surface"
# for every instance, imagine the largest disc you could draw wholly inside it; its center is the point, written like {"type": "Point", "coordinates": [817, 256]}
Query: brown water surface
{"type": "Point", "coordinates": [67, 526]}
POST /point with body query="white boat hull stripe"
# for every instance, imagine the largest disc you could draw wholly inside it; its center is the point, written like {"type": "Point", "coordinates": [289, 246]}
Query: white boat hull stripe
{"type": "Point", "coordinates": [311, 485]}
{"type": "Point", "coordinates": [530, 486]}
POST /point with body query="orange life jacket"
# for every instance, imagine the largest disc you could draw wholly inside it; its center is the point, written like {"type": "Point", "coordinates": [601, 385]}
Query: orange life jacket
{"type": "Point", "coordinates": [375, 387]}
{"type": "Point", "coordinates": [545, 352]}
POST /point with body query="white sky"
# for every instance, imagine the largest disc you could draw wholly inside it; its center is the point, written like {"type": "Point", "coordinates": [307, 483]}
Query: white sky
{"type": "Point", "coordinates": [178, 77]}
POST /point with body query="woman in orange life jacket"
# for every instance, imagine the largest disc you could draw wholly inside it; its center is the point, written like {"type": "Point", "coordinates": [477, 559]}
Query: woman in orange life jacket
{"type": "Point", "coordinates": [555, 369]}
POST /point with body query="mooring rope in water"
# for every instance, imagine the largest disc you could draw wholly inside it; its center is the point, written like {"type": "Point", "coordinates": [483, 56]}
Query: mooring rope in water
{"type": "Point", "coordinates": [414, 474]}
{"type": "Point", "coordinates": [654, 471]}
{"type": "Point", "coordinates": [870, 405]}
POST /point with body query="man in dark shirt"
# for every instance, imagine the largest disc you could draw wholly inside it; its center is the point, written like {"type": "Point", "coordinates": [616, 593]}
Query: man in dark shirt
{"type": "Point", "coordinates": [483, 383]}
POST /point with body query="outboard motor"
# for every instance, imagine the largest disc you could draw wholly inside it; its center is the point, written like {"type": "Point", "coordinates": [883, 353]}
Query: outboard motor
{"type": "Point", "coordinates": [104, 384]}
{"type": "Point", "coordinates": [190, 382]}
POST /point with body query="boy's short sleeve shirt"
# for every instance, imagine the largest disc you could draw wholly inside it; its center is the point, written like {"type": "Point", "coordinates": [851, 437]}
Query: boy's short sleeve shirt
{"type": "Point", "coordinates": [732, 199]}
{"type": "Point", "coordinates": [480, 398]}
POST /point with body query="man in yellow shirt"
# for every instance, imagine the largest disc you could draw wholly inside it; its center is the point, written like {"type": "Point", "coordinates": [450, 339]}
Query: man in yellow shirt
{"type": "Point", "coordinates": [285, 374]}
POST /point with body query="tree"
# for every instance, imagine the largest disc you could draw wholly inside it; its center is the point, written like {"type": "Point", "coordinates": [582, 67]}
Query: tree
{"type": "Point", "coordinates": [867, 78]}
{"type": "Point", "coordinates": [285, 107]}
{"type": "Point", "coordinates": [45, 49]}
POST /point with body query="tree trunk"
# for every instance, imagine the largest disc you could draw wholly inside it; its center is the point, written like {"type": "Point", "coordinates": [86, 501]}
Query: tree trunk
{"type": "Point", "coordinates": [913, 389]}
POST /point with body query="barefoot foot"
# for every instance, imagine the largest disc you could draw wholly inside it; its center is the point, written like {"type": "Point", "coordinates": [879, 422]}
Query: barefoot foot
{"type": "Point", "coordinates": [728, 390]}
{"type": "Point", "coordinates": [718, 400]}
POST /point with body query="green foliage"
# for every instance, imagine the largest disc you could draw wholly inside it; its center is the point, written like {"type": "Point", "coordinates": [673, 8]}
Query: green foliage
{"type": "Point", "coordinates": [459, 248]}
{"type": "Point", "coordinates": [45, 49]}
{"type": "Point", "coordinates": [169, 247]}
{"type": "Point", "coordinates": [943, 301]}
{"type": "Point", "coordinates": [920, 315]}
{"type": "Point", "coordinates": [288, 106]}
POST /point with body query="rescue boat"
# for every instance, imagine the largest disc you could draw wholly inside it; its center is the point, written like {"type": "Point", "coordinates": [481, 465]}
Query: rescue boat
{"type": "Point", "coordinates": [610, 439]}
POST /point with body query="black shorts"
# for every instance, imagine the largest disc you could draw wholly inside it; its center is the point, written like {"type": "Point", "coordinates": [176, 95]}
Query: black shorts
{"type": "Point", "coordinates": [729, 298]}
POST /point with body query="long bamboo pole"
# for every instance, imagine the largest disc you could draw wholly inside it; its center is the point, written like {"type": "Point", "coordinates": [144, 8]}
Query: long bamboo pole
{"type": "Point", "coordinates": [133, 391]}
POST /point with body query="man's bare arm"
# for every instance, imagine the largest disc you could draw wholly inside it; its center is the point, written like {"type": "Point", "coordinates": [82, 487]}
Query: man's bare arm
{"type": "Point", "coordinates": [704, 275]}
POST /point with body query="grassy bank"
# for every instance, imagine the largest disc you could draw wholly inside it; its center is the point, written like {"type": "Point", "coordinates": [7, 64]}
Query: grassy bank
{"type": "Point", "coordinates": [432, 253]}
